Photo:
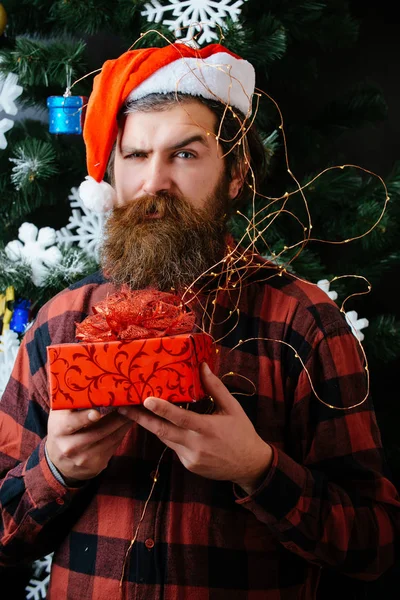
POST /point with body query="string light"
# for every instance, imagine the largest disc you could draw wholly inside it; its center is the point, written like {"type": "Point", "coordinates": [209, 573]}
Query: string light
{"type": "Point", "coordinates": [237, 268]}
{"type": "Point", "coordinates": [155, 479]}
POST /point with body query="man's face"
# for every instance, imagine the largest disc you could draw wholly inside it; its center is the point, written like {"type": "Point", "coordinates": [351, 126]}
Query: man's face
{"type": "Point", "coordinates": [173, 196]}
{"type": "Point", "coordinates": [171, 151]}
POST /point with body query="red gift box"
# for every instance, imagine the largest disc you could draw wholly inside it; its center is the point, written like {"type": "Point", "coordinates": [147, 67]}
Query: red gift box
{"type": "Point", "coordinates": [117, 373]}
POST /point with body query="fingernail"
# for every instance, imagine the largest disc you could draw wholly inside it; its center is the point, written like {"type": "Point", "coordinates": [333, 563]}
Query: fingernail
{"type": "Point", "coordinates": [206, 369]}
{"type": "Point", "coordinates": [94, 415]}
{"type": "Point", "coordinates": [149, 403]}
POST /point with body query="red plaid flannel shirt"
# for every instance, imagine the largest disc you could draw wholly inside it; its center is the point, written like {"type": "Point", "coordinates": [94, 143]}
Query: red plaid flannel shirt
{"type": "Point", "coordinates": [325, 502]}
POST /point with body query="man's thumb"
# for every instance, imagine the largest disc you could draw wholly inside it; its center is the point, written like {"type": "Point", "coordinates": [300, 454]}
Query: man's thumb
{"type": "Point", "coordinates": [216, 389]}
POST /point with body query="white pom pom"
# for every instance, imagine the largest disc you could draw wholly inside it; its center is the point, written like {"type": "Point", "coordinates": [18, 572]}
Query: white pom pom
{"type": "Point", "coordinates": [99, 197]}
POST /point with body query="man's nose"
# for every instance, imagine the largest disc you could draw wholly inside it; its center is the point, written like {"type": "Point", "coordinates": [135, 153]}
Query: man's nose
{"type": "Point", "coordinates": [157, 176]}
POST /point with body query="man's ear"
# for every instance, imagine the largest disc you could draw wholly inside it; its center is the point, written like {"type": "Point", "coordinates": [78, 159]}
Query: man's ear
{"type": "Point", "coordinates": [237, 180]}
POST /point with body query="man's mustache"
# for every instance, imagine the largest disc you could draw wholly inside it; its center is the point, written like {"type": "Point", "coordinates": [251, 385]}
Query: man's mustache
{"type": "Point", "coordinates": [163, 205]}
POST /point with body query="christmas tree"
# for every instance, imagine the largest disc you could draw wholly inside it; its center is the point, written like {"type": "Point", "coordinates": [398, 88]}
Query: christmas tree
{"type": "Point", "coordinates": [317, 215]}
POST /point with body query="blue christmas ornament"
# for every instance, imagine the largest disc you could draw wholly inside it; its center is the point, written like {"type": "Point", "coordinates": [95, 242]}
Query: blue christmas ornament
{"type": "Point", "coordinates": [20, 315]}
{"type": "Point", "coordinates": [66, 113]}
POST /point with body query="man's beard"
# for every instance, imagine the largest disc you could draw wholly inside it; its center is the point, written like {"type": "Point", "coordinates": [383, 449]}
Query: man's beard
{"type": "Point", "coordinates": [170, 252]}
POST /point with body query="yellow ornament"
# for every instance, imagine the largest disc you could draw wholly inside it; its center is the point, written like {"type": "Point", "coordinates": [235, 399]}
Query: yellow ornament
{"type": "Point", "coordinates": [3, 19]}
{"type": "Point", "coordinates": [6, 302]}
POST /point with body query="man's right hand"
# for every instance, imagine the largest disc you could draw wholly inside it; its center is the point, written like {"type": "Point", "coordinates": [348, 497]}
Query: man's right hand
{"type": "Point", "coordinates": [80, 443]}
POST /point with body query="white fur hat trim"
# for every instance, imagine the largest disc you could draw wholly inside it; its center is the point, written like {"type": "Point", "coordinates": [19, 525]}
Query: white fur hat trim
{"type": "Point", "coordinates": [220, 77]}
{"type": "Point", "coordinates": [99, 197]}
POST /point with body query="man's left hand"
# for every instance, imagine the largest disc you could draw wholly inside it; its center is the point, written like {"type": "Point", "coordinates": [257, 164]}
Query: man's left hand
{"type": "Point", "coordinates": [222, 446]}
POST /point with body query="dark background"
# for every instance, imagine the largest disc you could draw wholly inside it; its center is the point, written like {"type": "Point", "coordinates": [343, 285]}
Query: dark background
{"type": "Point", "coordinates": [377, 60]}
{"type": "Point", "coordinates": [377, 148]}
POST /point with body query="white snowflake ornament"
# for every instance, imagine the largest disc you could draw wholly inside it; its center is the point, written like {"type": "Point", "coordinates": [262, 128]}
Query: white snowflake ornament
{"type": "Point", "coordinates": [37, 588]}
{"type": "Point", "coordinates": [200, 15]}
{"type": "Point", "coordinates": [36, 248]}
{"type": "Point", "coordinates": [356, 324]}
{"type": "Point", "coordinates": [324, 285]}
{"type": "Point", "coordinates": [9, 344]}
{"type": "Point", "coordinates": [86, 224]}
{"type": "Point", "coordinates": [39, 583]}
{"type": "Point", "coordinates": [5, 125]}
{"type": "Point", "coordinates": [189, 40]}
{"type": "Point", "coordinates": [9, 93]}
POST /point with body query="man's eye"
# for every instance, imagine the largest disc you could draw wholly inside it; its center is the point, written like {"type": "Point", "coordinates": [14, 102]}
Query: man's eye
{"type": "Point", "coordinates": [185, 154]}
{"type": "Point", "coordinates": [135, 155]}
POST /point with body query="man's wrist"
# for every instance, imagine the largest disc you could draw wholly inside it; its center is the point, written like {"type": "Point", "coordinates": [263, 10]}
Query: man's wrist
{"type": "Point", "coordinates": [59, 476]}
{"type": "Point", "coordinates": [252, 483]}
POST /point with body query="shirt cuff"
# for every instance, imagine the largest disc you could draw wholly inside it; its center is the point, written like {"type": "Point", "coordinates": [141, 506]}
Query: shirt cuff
{"type": "Point", "coordinates": [76, 482]}
{"type": "Point", "coordinates": [241, 495]}
{"type": "Point", "coordinates": [54, 469]}
{"type": "Point", "coordinates": [279, 496]}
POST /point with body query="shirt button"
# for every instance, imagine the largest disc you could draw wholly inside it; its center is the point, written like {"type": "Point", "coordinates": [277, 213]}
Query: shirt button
{"type": "Point", "coordinates": [149, 543]}
{"type": "Point", "coordinates": [59, 501]}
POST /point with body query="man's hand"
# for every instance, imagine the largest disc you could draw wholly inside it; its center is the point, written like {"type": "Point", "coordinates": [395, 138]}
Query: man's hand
{"type": "Point", "coordinates": [222, 446]}
{"type": "Point", "coordinates": [80, 443]}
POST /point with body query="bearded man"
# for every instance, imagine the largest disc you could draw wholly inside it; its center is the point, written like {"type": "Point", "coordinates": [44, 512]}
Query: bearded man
{"type": "Point", "coordinates": [254, 499]}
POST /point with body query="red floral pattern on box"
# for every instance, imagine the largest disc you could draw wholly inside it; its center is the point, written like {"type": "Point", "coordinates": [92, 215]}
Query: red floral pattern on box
{"type": "Point", "coordinates": [86, 375]}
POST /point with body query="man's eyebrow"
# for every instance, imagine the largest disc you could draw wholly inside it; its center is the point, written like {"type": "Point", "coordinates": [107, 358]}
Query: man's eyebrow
{"type": "Point", "coordinates": [198, 137]}
{"type": "Point", "coordinates": [190, 140]}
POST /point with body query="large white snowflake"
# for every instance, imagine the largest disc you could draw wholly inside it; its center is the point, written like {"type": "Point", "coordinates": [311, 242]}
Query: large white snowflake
{"type": "Point", "coordinates": [10, 90]}
{"type": "Point", "coordinates": [195, 15]}
{"type": "Point", "coordinates": [324, 285]}
{"type": "Point", "coordinates": [37, 586]}
{"type": "Point", "coordinates": [351, 316]}
{"type": "Point", "coordinates": [5, 125]}
{"type": "Point", "coordinates": [9, 344]}
{"type": "Point", "coordinates": [356, 324]}
{"type": "Point", "coordinates": [87, 224]}
{"type": "Point", "coordinates": [36, 248]}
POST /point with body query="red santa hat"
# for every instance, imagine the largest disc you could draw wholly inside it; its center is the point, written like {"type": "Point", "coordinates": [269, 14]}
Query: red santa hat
{"type": "Point", "coordinates": [212, 72]}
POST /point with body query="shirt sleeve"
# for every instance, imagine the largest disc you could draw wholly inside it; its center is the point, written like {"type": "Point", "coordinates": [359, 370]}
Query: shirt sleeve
{"type": "Point", "coordinates": [327, 497]}
{"type": "Point", "coordinates": [31, 497]}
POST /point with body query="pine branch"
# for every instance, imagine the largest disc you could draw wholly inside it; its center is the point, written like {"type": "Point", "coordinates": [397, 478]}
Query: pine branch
{"type": "Point", "coordinates": [307, 265]}
{"type": "Point", "coordinates": [382, 339]}
{"type": "Point", "coordinates": [362, 104]}
{"type": "Point", "coordinates": [28, 16]}
{"type": "Point", "coordinates": [271, 145]}
{"type": "Point", "coordinates": [320, 24]}
{"type": "Point", "coordinates": [16, 274]}
{"type": "Point", "coordinates": [382, 266]}
{"type": "Point", "coordinates": [392, 182]}
{"type": "Point", "coordinates": [94, 16]}
{"type": "Point", "coordinates": [336, 186]}
{"type": "Point", "coordinates": [146, 35]}
{"type": "Point", "coordinates": [333, 31]}
{"type": "Point", "coordinates": [262, 44]}
{"type": "Point", "coordinates": [44, 62]}
{"type": "Point", "coordinates": [286, 11]}
{"type": "Point", "coordinates": [74, 265]}
{"type": "Point", "coordinates": [88, 17]}
{"type": "Point", "coordinates": [50, 183]}
{"type": "Point", "coordinates": [356, 201]}
{"type": "Point", "coordinates": [34, 161]}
